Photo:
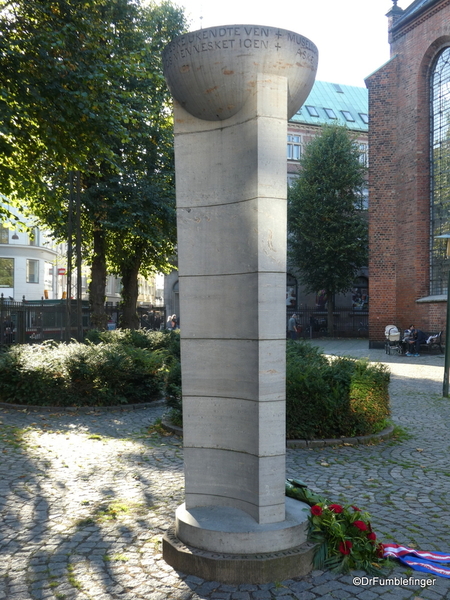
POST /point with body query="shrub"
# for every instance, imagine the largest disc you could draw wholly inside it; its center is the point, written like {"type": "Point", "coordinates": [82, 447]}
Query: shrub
{"type": "Point", "coordinates": [333, 398]}
{"type": "Point", "coordinates": [172, 380]}
{"type": "Point", "coordinates": [324, 398]}
{"type": "Point", "coordinates": [80, 374]}
{"type": "Point", "coordinates": [138, 338]}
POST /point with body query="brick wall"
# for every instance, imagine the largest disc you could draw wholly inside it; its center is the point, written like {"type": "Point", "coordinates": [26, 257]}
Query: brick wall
{"type": "Point", "coordinates": [399, 182]}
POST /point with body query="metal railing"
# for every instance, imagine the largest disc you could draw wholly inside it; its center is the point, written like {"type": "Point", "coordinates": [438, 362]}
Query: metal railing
{"type": "Point", "coordinates": [33, 321]}
{"type": "Point", "coordinates": [313, 323]}
{"type": "Point", "coordinates": [37, 320]}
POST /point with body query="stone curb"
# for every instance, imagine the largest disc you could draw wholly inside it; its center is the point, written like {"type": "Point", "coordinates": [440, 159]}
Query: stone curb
{"type": "Point", "coordinates": [81, 409]}
{"type": "Point", "coordinates": [171, 428]}
{"type": "Point", "coordinates": [351, 441]}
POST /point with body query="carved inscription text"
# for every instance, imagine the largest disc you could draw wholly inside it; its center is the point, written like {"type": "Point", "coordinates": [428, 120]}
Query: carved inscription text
{"type": "Point", "coordinates": [237, 38]}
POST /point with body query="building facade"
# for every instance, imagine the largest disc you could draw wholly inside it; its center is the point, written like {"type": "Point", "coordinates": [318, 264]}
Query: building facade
{"type": "Point", "coordinates": [327, 104]}
{"type": "Point", "coordinates": [34, 267]}
{"type": "Point", "coordinates": [409, 171]}
{"type": "Point", "coordinates": [28, 265]}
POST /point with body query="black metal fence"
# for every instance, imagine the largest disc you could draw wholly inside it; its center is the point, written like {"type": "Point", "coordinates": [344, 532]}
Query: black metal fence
{"type": "Point", "coordinates": [313, 323]}
{"type": "Point", "coordinates": [150, 317]}
{"type": "Point", "coordinates": [35, 321]}
{"type": "Point", "coordinates": [32, 321]}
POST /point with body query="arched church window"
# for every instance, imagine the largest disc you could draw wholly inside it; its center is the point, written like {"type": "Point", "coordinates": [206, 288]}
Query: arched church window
{"type": "Point", "coordinates": [440, 170]}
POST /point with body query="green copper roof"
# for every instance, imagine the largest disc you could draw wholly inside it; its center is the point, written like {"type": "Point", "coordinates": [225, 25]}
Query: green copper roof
{"type": "Point", "coordinates": [346, 103]}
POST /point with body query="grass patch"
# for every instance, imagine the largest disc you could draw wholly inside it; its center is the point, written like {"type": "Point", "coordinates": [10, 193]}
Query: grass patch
{"type": "Point", "coordinates": [401, 434]}
{"type": "Point", "coordinates": [71, 577]}
{"type": "Point", "coordinates": [116, 557]}
{"type": "Point", "coordinates": [12, 436]}
{"type": "Point", "coordinates": [112, 511]}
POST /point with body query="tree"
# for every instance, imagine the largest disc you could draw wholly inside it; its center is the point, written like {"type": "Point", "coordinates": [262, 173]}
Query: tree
{"type": "Point", "coordinates": [83, 90]}
{"type": "Point", "coordinates": [328, 233]}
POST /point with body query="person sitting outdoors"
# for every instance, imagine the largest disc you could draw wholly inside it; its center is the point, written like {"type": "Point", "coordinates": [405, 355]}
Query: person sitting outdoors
{"type": "Point", "coordinates": [416, 338]}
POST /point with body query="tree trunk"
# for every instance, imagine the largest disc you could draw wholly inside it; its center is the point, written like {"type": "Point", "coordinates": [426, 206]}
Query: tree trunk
{"type": "Point", "coordinates": [130, 290]}
{"type": "Point", "coordinates": [330, 316]}
{"type": "Point", "coordinates": [97, 286]}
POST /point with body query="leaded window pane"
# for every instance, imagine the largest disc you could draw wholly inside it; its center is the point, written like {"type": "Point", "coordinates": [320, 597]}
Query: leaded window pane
{"type": "Point", "coordinates": [440, 171]}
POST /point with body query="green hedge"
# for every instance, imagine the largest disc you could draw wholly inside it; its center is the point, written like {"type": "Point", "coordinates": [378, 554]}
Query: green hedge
{"type": "Point", "coordinates": [123, 367]}
{"type": "Point", "coordinates": [331, 398]}
{"type": "Point", "coordinates": [324, 398]}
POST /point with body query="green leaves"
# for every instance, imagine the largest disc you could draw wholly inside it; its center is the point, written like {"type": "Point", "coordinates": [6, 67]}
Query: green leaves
{"type": "Point", "coordinates": [82, 89]}
{"type": "Point", "coordinates": [328, 231]}
{"type": "Point", "coordinates": [333, 398]}
{"type": "Point", "coordinates": [108, 373]}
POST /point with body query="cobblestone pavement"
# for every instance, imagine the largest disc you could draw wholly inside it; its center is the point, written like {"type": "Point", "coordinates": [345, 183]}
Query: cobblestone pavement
{"type": "Point", "coordinates": [85, 498]}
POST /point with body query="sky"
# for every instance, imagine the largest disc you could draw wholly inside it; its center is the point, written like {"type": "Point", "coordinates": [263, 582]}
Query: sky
{"type": "Point", "coordinates": [351, 35]}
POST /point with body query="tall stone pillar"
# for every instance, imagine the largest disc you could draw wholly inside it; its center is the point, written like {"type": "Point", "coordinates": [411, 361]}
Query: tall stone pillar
{"type": "Point", "coordinates": [234, 88]}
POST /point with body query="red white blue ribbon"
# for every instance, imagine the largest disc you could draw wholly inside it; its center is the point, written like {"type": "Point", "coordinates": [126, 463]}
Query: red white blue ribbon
{"type": "Point", "coordinates": [427, 562]}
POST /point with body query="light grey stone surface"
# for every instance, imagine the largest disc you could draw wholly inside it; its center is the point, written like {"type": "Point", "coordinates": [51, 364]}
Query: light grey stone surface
{"type": "Point", "coordinates": [223, 423]}
{"type": "Point", "coordinates": [211, 71]}
{"type": "Point", "coordinates": [234, 88]}
{"type": "Point", "coordinates": [55, 479]}
{"type": "Point", "coordinates": [247, 369]}
{"type": "Point", "coordinates": [234, 532]}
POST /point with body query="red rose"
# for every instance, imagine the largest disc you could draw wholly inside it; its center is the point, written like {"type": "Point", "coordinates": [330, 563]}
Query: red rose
{"type": "Point", "coordinates": [316, 510]}
{"type": "Point", "coordinates": [336, 508]}
{"type": "Point", "coordinates": [360, 525]}
{"type": "Point", "coordinates": [371, 536]}
{"type": "Point", "coordinates": [345, 547]}
{"type": "Point", "coordinates": [356, 508]}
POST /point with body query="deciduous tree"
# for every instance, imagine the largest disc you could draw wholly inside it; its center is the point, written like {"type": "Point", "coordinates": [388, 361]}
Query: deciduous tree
{"type": "Point", "coordinates": [82, 90]}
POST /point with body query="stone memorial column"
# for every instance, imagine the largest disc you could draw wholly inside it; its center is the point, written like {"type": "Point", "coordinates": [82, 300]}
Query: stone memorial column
{"type": "Point", "coordinates": [234, 88]}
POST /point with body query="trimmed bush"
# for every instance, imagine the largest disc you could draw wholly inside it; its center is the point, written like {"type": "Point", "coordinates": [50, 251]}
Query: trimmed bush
{"type": "Point", "coordinates": [332, 398]}
{"type": "Point", "coordinates": [138, 338]}
{"type": "Point", "coordinates": [74, 374]}
{"type": "Point", "coordinates": [324, 398]}
{"type": "Point", "coordinates": [341, 397]}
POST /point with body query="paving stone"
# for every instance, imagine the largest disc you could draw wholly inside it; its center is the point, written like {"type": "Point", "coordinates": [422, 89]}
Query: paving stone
{"type": "Point", "coordinates": [405, 490]}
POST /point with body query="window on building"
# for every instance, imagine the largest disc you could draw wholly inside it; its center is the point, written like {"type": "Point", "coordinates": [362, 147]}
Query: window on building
{"type": "Point", "coordinates": [364, 118]}
{"type": "Point", "coordinates": [440, 170]}
{"type": "Point", "coordinates": [294, 147]}
{"type": "Point", "coordinates": [347, 115]}
{"type": "Point", "coordinates": [312, 111]}
{"type": "Point", "coordinates": [4, 235]}
{"type": "Point", "coordinates": [364, 154]}
{"type": "Point", "coordinates": [337, 88]}
{"type": "Point", "coordinates": [291, 177]}
{"type": "Point", "coordinates": [117, 286]}
{"type": "Point", "coordinates": [32, 271]}
{"type": "Point", "coordinates": [330, 113]}
{"type": "Point", "coordinates": [362, 199]}
{"type": "Point", "coordinates": [6, 272]}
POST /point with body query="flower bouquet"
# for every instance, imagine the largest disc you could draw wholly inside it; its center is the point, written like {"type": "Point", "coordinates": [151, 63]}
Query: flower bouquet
{"type": "Point", "coordinates": [344, 539]}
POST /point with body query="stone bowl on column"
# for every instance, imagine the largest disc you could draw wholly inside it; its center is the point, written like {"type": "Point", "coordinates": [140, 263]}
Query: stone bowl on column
{"type": "Point", "coordinates": [211, 72]}
{"type": "Point", "coordinates": [234, 88]}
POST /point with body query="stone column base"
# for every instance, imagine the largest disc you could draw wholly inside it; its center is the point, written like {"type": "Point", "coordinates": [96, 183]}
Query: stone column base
{"type": "Point", "coordinates": [225, 544]}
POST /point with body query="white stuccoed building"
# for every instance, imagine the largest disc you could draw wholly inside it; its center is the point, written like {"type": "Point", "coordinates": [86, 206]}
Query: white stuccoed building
{"type": "Point", "coordinates": [29, 265]}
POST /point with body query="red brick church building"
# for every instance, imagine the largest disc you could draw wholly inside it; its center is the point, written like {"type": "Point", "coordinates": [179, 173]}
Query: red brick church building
{"type": "Point", "coordinates": [409, 171]}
